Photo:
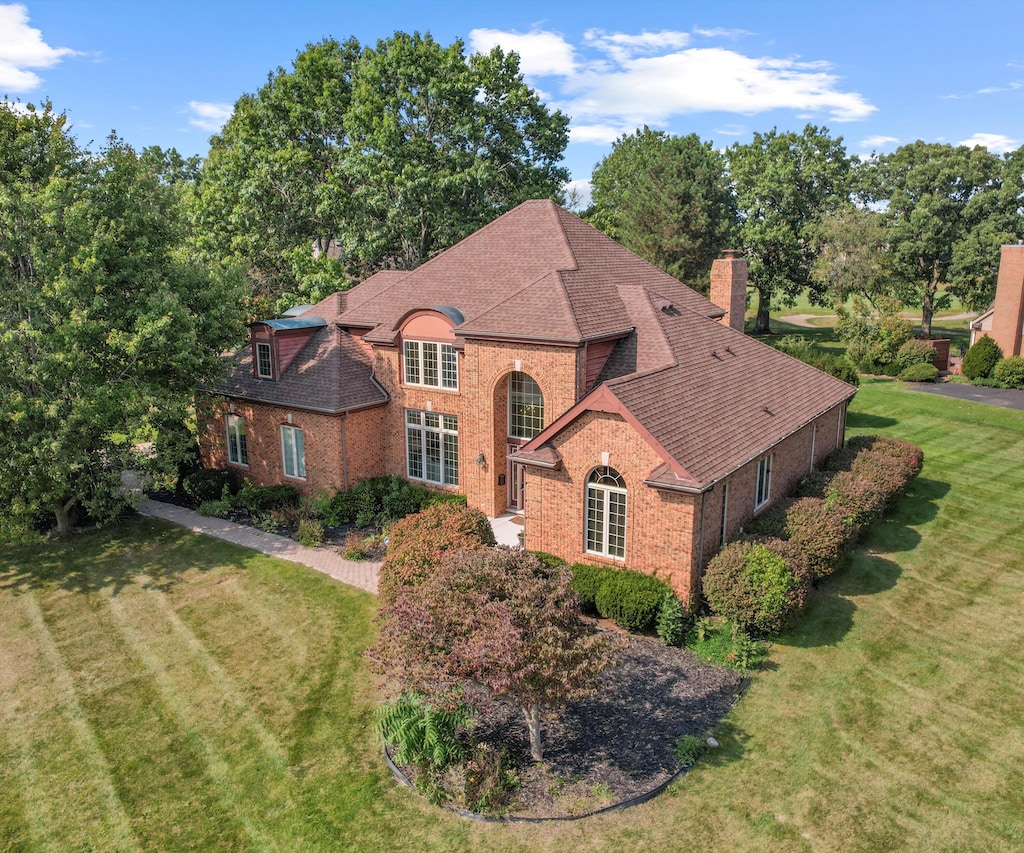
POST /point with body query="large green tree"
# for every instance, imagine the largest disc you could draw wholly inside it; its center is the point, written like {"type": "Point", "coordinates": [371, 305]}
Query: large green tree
{"type": "Point", "coordinates": [667, 199]}
{"type": "Point", "coordinates": [359, 159]}
{"type": "Point", "coordinates": [940, 200]}
{"type": "Point", "coordinates": [851, 254]}
{"type": "Point", "coordinates": [106, 325]}
{"type": "Point", "coordinates": [784, 183]}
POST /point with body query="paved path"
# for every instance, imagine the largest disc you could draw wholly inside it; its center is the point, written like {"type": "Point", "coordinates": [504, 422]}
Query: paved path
{"type": "Point", "coordinates": [804, 319]}
{"type": "Point", "coordinates": [1008, 398]}
{"type": "Point", "coordinates": [361, 574]}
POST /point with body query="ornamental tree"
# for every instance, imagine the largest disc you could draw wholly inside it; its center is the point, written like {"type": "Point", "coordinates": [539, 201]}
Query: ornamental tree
{"type": "Point", "coordinates": [492, 622]}
{"type": "Point", "coordinates": [106, 325]}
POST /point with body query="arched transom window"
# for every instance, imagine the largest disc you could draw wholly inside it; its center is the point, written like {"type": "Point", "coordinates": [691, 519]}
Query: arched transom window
{"type": "Point", "coordinates": [525, 406]}
{"type": "Point", "coordinates": [606, 513]}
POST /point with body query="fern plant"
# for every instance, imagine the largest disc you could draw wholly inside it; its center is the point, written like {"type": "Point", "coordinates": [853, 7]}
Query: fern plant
{"type": "Point", "coordinates": [424, 736]}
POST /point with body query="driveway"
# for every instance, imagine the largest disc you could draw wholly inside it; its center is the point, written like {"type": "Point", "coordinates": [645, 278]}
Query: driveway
{"type": "Point", "coordinates": [1008, 398]}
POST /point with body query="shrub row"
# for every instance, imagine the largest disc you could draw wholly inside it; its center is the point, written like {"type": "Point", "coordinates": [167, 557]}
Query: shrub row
{"type": "Point", "coordinates": [800, 348]}
{"type": "Point", "coordinates": [759, 581]}
{"type": "Point", "coordinates": [378, 501]}
{"type": "Point", "coordinates": [631, 599]}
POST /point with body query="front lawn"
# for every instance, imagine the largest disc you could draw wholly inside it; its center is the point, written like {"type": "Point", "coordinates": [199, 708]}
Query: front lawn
{"type": "Point", "coordinates": [161, 691]}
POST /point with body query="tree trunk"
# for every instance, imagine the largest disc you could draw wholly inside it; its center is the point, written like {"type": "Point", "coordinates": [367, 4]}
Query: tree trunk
{"type": "Point", "coordinates": [63, 515]}
{"type": "Point", "coordinates": [764, 305]}
{"type": "Point", "coordinates": [532, 715]}
{"type": "Point", "coordinates": [928, 308]}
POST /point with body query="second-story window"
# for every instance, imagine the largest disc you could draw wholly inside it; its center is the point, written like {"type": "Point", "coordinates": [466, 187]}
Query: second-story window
{"type": "Point", "coordinates": [432, 364]}
{"type": "Point", "coordinates": [264, 364]}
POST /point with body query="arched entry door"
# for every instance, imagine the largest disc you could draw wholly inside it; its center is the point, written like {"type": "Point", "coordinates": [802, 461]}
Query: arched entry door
{"type": "Point", "coordinates": [525, 420]}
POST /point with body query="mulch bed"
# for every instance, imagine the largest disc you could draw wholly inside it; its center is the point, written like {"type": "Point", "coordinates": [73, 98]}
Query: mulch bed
{"type": "Point", "coordinates": [619, 743]}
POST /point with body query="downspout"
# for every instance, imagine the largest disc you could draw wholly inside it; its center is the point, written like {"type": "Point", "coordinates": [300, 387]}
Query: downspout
{"type": "Point", "coordinates": [700, 552]}
{"type": "Point", "coordinates": [344, 454]}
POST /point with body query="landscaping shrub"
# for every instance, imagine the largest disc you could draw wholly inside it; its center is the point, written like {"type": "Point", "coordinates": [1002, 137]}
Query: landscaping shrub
{"type": "Point", "coordinates": [835, 365]}
{"type": "Point", "coordinates": [586, 583]}
{"type": "Point", "coordinates": [909, 454]}
{"type": "Point", "coordinates": [761, 585]}
{"type": "Point", "coordinates": [672, 621]}
{"type": "Point", "coordinates": [919, 373]}
{"type": "Point", "coordinates": [424, 736]}
{"type": "Point", "coordinates": [980, 360]}
{"type": "Point", "coordinates": [821, 532]}
{"type": "Point", "coordinates": [1010, 371]}
{"type": "Point", "coordinates": [310, 533]}
{"type": "Point", "coordinates": [548, 560]}
{"type": "Point", "coordinates": [813, 485]}
{"type": "Point", "coordinates": [264, 499]}
{"type": "Point", "coordinates": [840, 459]}
{"type": "Point", "coordinates": [631, 599]}
{"type": "Point", "coordinates": [216, 509]}
{"type": "Point", "coordinates": [689, 748]}
{"type": "Point", "coordinates": [418, 542]}
{"type": "Point", "coordinates": [772, 522]}
{"type": "Point", "coordinates": [913, 352]}
{"type": "Point", "coordinates": [208, 484]}
{"type": "Point", "coordinates": [718, 640]}
{"type": "Point", "coordinates": [378, 501]}
{"type": "Point", "coordinates": [889, 474]}
{"type": "Point", "coordinates": [859, 499]}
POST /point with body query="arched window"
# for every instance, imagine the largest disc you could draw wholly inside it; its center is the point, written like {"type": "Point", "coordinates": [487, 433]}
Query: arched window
{"type": "Point", "coordinates": [525, 406]}
{"type": "Point", "coordinates": [606, 513]}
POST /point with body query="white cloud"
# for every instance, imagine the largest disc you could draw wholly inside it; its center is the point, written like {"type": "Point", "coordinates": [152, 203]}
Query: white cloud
{"type": "Point", "coordinates": [21, 48]}
{"type": "Point", "coordinates": [720, 32]}
{"type": "Point", "coordinates": [731, 130]}
{"type": "Point", "coordinates": [614, 81]}
{"type": "Point", "coordinates": [540, 52]}
{"type": "Point", "coordinates": [997, 143]}
{"type": "Point", "coordinates": [877, 141]}
{"type": "Point", "coordinates": [209, 116]}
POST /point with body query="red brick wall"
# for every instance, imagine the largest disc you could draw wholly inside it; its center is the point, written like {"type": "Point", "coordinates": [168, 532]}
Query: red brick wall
{"type": "Point", "coordinates": [1008, 316]}
{"type": "Point", "coordinates": [321, 433]}
{"type": "Point", "coordinates": [663, 528]}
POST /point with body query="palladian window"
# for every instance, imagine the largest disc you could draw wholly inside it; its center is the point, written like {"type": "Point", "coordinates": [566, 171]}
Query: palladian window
{"type": "Point", "coordinates": [525, 406]}
{"type": "Point", "coordinates": [606, 513]}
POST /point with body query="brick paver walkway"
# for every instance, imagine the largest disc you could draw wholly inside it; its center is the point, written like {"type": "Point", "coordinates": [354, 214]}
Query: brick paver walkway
{"type": "Point", "coordinates": [361, 574]}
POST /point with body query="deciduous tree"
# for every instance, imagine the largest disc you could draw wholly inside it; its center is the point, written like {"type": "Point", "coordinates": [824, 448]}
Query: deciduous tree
{"type": "Point", "coordinates": [496, 621]}
{"type": "Point", "coordinates": [784, 182]}
{"type": "Point", "coordinates": [106, 326]}
{"type": "Point", "coordinates": [667, 199]}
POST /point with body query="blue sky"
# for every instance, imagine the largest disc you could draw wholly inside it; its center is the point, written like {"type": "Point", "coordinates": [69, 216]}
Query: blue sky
{"type": "Point", "coordinates": [879, 74]}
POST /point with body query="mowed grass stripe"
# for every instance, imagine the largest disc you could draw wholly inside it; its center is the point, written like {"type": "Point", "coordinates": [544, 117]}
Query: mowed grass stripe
{"type": "Point", "coordinates": [161, 778]}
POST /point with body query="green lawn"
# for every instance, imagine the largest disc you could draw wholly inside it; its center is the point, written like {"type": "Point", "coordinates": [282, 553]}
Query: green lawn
{"type": "Point", "coordinates": [159, 691]}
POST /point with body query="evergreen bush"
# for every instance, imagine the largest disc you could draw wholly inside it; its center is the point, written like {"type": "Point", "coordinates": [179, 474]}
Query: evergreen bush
{"type": "Point", "coordinates": [265, 499]}
{"type": "Point", "coordinates": [919, 373]}
{"type": "Point", "coordinates": [631, 599]}
{"type": "Point", "coordinates": [587, 581]}
{"type": "Point", "coordinates": [914, 351]}
{"type": "Point", "coordinates": [980, 360]}
{"type": "Point", "coordinates": [208, 484]}
{"type": "Point", "coordinates": [1010, 371]}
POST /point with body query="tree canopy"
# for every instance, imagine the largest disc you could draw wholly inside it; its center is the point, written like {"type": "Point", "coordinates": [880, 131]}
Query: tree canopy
{"type": "Point", "coordinates": [667, 199]}
{"type": "Point", "coordinates": [784, 183]}
{"type": "Point", "coordinates": [367, 158]}
{"type": "Point", "coordinates": [106, 324]}
{"type": "Point", "coordinates": [939, 199]}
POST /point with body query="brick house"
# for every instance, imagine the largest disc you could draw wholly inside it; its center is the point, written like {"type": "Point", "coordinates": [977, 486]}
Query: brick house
{"type": "Point", "coordinates": [538, 367]}
{"type": "Point", "coordinates": [1004, 321]}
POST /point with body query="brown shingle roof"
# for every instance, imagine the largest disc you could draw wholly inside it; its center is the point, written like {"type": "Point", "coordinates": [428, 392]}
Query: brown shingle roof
{"type": "Point", "coordinates": [331, 373]}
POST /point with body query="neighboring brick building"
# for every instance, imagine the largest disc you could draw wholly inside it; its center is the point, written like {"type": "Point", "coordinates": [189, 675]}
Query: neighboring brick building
{"type": "Point", "coordinates": [538, 366]}
{"type": "Point", "coordinates": [1004, 321]}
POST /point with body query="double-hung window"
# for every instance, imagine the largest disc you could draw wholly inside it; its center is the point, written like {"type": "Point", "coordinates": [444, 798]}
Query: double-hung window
{"type": "Point", "coordinates": [432, 364]}
{"type": "Point", "coordinates": [238, 452]}
{"type": "Point", "coordinates": [764, 481]}
{"type": "Point", "coordinates": [293, 452]}
{"type": "Point", "coordinates": [606, 513]}
{"type": "Point", "coordinates": [264, 362]}
{"type": "Point", "coordinates": [432, 447]}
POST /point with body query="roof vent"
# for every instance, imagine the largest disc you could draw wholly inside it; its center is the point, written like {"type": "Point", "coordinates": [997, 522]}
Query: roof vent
{"type": "Point", "coordinates": [768, 411]}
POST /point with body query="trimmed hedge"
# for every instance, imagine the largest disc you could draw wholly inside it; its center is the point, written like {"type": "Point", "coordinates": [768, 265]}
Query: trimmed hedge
{"type": "Point", "coordinates": [760, 584]}
{"type": "Point", "coordinates": [856, 497]}
{"type": "Point", "coordinates": [822, 532]}
{"type": "Point", "coordinates": [772, 522]}
{"type": "Point", "coordinates": [208, 484]}
{"type": "Point", "coordinates": [417, 543]}
{"type": "Point", "coordinates": [263, 499]}
{"type": "Point", "coordinates": [378, 501]}
{"type": "Point", "coordinates": [630, 599]}
{"type": "Point", "coordinates": [919, 373]}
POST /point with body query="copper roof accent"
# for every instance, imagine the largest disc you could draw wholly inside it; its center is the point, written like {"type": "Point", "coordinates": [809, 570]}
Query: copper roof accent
{"type": "Point", "coordinates": [331, 373]}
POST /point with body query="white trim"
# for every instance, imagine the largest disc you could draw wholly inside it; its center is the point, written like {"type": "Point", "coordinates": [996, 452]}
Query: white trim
{"type": "Point", "coordinates": [725, 515]}
{"type": "Point", "coordinates": [240, 448]}
{"type": "Point", "coordinates": [297, 454]}
{"type": "Point", "coordinates": [603, 493]}
{"type": "Point", "coordinates": [270, 360]}
{"type": "Point", "coordinates": [444, 365]}
{"type": "Point", "coordinates": [763, 488]}
{"type": "Point", "coordinates": [814, 435]}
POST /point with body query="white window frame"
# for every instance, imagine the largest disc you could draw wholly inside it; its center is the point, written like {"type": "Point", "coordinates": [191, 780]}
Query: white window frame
{"type": "Point", "coordinates": [238, 450]}
{"type": "Point", "coordinates": [430, 364]}
{"type": "Point", "coordinates": [432, 447]}
{"type": "Point", "coordinates": [293, 452]}
{"type": "Point", "coordinates": [605, 513]}
{"type": "Point", "coordinates": [814, 436]}
{"type": "Point", "coordinates": [763, 494]}
{"type": "Point", "coordinates": [525, 405]}
{"type": "Point", "coordinates": [725, 515]}
{"type": "Point", "coordinates": [261, 348]}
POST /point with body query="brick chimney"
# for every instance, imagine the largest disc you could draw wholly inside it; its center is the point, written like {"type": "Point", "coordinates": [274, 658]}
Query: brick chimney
{"type": "Point", "coordinates": [1008, 313]}
{"type": "Point", "coordinates": [729, 288]}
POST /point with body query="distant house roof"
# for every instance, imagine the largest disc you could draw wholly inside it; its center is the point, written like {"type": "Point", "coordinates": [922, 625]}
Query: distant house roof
{"type": "Point", "coordinates": [717, 400]}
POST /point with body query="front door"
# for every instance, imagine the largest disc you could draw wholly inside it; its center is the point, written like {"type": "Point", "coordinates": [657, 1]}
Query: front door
{"type": "Point", "coordinates": [514, 478]}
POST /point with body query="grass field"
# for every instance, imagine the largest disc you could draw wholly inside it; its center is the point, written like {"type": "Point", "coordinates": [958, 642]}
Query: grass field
{"type": "Point", "coordinates": [160, 691]}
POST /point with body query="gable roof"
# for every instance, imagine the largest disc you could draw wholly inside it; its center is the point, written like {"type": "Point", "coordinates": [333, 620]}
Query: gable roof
{"type": "Point", "coordinates": [537, 272]}
{"type": "Point", "coordinates": [719, 400]}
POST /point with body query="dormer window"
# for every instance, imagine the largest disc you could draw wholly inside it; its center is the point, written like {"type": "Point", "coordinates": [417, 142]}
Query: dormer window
{"type": "Point", "coordinates": [264, 362]}
{"type": "Point", "coordinates": [432, 364]}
